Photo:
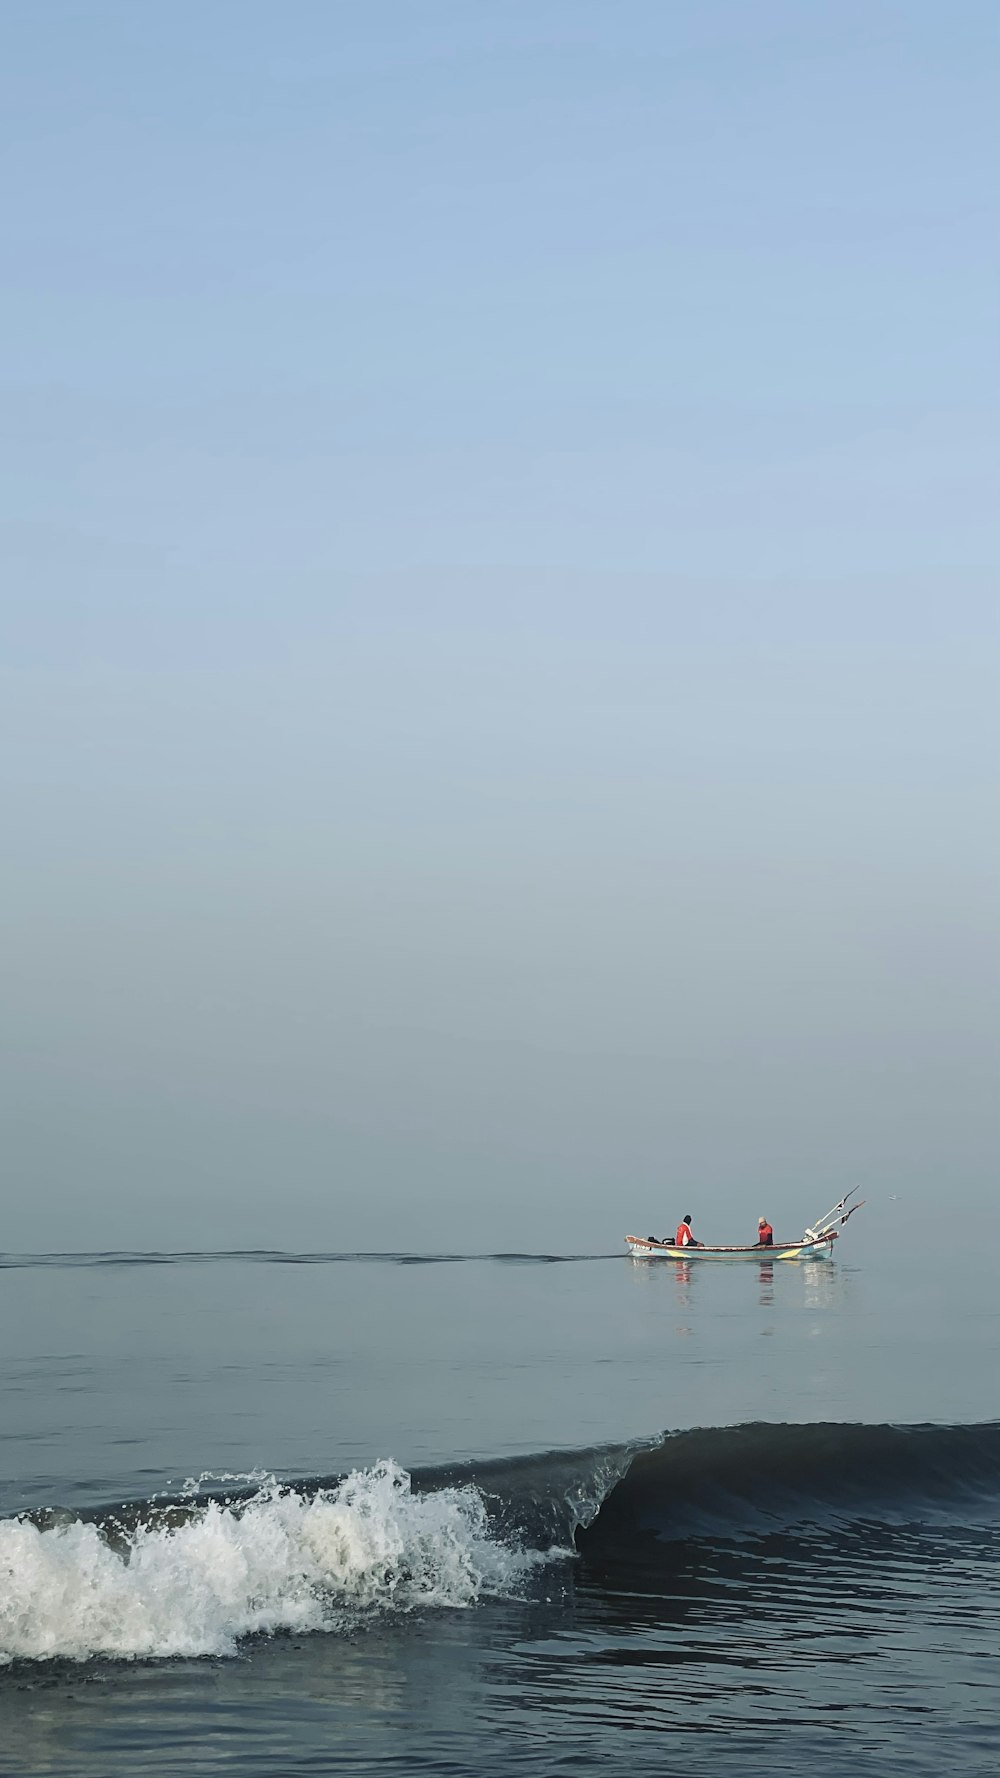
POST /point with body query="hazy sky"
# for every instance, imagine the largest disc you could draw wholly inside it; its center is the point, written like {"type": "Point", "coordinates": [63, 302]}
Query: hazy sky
{"type": "Point", "coordinates": [500, 630]}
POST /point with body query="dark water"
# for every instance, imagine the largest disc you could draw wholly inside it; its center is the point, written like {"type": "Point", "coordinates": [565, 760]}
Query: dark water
{"type": "Point", "coordinates": [295, 1514]}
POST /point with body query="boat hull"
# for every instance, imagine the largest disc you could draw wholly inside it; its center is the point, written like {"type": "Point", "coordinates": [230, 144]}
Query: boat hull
{"type": "Point", "coordinates": [822, 1248]}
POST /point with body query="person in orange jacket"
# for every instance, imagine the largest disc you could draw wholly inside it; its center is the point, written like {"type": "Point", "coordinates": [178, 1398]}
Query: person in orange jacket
{"type": "Point", "coordinates": [684, 1237]}
{"type": "Point", "coordinates": [765, 1233]}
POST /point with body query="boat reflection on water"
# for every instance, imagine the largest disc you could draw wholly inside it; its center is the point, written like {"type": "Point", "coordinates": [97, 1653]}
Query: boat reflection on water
{"type": "Point", "coordinates": [824, 1286]}
{"type": "Point", "coordinates": [679, 1271]}
{"type": "Point", "coordinates": [816, 1286]}
{"type": "Point", "coordinates": [683, 1272]}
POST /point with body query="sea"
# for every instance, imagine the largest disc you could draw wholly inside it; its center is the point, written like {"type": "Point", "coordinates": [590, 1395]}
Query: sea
{"type": "Point", "coordinates": [503, 1513]}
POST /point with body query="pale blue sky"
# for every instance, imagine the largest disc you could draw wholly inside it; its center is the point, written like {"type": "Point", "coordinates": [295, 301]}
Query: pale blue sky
{"type": "Point", "coordinates": [499, 641]}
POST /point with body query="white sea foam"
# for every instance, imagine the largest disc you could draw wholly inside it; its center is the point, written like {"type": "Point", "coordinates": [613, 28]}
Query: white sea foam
{"type": "Point", "coordinates": [280, 1561]}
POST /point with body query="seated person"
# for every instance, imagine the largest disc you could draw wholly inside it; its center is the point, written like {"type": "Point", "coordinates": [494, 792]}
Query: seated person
{"type": "Point", "coordinates": [765, 1233]}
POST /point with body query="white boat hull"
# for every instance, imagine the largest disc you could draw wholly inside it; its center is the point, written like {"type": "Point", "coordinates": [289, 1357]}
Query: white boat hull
{"type": "Point", "coordinates": [819, 1248]}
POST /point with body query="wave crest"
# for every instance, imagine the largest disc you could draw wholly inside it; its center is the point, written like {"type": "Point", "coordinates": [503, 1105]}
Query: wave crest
{"type": "Point", "coordinates": [278, 1561]}
{"type": "Point", "coordinates": [765, 1478]}
{"type": "Point", "coordinates": [194, 1575]}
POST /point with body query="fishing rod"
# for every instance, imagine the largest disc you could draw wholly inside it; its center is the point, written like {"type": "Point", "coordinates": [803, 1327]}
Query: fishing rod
{"type": "Point", "coordinates": [836, 1217]}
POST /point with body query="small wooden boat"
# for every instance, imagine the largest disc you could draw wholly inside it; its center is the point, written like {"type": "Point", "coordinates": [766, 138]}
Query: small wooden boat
{"type": "Point", "coordinates": [816, 1243]}
{"type": "Point", "coordinates": [646, 1247]}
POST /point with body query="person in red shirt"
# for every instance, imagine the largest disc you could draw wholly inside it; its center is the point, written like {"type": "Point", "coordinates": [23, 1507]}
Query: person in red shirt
{"type": "Point", "coordinates": [765, 1233]}
{"type": "Point", "coordinates": [684, 1237]}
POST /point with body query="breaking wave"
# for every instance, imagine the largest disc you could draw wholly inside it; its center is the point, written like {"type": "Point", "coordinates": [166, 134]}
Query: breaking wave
{"type": "Point", "coordinates": [196, 1574]}
{"type": "Point", "coordinates": [195, 1581]}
